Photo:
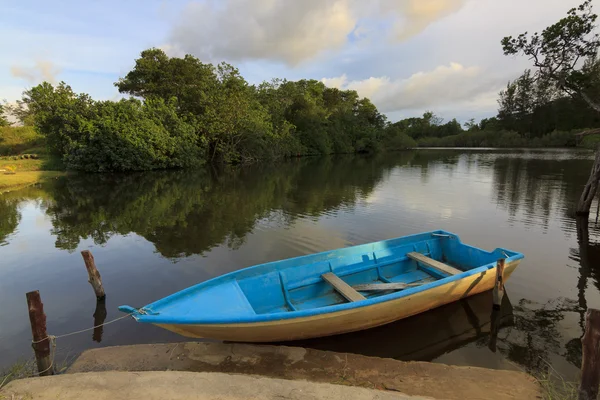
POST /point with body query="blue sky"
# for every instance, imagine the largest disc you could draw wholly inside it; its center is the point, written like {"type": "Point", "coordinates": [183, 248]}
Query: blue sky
{"type": "Point", "coordinates": [408, 56]}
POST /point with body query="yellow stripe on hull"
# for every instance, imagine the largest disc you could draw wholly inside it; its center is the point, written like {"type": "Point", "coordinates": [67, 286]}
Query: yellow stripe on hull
{"type": "Point", "coordinates": [348, 320]}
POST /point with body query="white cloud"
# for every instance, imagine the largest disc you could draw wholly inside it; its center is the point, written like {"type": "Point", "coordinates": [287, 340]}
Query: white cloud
{"type": "Point", "coordinates": [295, 31]}
{"type": "Point", "coordinates": [452, 84]}
{"type": "Point", "coordinates": [263, 29]}
{"type": "Point", "coordinates": [418, 14]}
{"type": "Point", "coordinates": [43, 70]}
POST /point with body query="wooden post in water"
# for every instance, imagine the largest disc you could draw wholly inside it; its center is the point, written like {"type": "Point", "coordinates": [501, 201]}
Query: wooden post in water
{"type": "Point", "coordinates": [94, 276]}
{"type": "Point", "coordinates": [589, 191]}
{"type": "Point", "coordinates": [99, 318]}
{"type": "Point", "coordinates": [590, 363]}
{"type": "Point", "coordinates": [41, 341]}
{"type": "Point", "coordinates": [499, 286]}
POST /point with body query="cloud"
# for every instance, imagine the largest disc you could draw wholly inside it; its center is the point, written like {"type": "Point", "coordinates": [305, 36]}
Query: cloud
{"type": "Point", "coordinates": [43, 70]}
{"type": "Point", "coordinates": [452, 84]}
{"type": "Point", "coordinates": [263, 29]}
{"type": "Point", "coordinates": [418, 14]}
{"type": "Point", "coordinates": [296, 31]}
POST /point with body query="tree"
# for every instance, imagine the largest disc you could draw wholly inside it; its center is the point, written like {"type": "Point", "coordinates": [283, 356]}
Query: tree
{"type": "Point", "coordinates": [186, 79]}
{"type": "Point", "coordinates": [471, 125]}
{"type": "Point", "coordinates": [3, 120]}
{"type": "Point", "coordinates": [59, 114]}
{"type": "Point", "coordinates": [564, 53]}
{"type": "Point", "coordinates": [565, 56]}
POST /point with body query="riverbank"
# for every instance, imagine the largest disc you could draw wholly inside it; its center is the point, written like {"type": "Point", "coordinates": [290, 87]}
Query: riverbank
{"type": "Point", "coordinates": [166, 366]}
{"type": "Point", "coordinates": [184, 386]}
{"type": "Point", "coordinates": [21, 180]}
{"type": "Point", "coordinates": [20, 173]}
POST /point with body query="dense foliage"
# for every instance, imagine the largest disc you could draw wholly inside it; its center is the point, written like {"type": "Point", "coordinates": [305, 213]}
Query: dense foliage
{"type": "Point", "coordinates": [183, 113]}
{"type": "Point", "coordinates": [20, 139]}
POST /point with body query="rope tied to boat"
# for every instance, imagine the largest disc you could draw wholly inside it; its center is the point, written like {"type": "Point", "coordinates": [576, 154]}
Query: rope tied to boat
{"type": "Point", "coordinates": [52, 338]}
{"type": "Point", "coordinates": [81, 331]}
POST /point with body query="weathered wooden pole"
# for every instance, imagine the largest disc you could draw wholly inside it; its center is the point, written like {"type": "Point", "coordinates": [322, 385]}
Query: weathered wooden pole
{"type": "Point", "coordinates": [99, 318]}
{"type": "Point", "coordinates": [94, 276]}
{"type": "Point", "coordinates": [590, 363]}
{"type": "Point", "coordinates": [41, 341]}
{"type": "Point", "coordinates": [498, 293]}
{"type": "Point", "coordinates": [589, 191]}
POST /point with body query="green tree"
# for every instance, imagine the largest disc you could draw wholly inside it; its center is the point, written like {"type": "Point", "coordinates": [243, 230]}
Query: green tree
{"type": "Point", "coordinates": [59, 114]}
{"type": "Point", "coordinates": [3, 119]}
{"type": "Point", "coordinates": [186, 79]}
{"type": "Point", "coordinates": [564, 53]}
{"type": "Point", "coordinates": [471, 125]}
{"type": "Point", "coordinates": [235, 124]}
{"type": "Point", "coordinates": [113, 136]}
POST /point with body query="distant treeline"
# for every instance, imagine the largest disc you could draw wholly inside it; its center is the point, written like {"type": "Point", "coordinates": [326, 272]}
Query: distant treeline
{"type": "Point", "coordinates": [184, 113]}
{"type": "Point", "coordinates": [531, 114]}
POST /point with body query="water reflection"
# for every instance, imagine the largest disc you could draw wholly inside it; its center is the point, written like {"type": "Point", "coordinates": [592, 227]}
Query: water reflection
{"type": "Point", "coordinates": [9, 217]}
{"type": "Point", "coordinates": [155, 233]}
{"type": "Point", "coordinates": [427, 336]}
{"type": "Point", "coordinates": [99, 318]}
{"type": "Point", "coordinates": [190, 212]}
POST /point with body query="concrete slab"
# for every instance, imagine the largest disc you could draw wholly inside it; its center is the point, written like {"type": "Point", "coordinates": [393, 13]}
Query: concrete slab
{"type": "Point", "coordinates": [294, 363]}
{"type": "Point", "coordinates": [182, 386]}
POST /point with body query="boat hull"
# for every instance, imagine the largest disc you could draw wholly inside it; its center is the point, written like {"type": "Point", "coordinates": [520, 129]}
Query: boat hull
{"type": "Point", "coordinates": [345, 321]}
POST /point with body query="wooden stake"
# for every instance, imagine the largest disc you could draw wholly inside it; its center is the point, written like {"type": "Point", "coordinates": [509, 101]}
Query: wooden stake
{"type": "Point", "coordinates": [499, 286]}
{"type": "Point", "coordinates": [590, 363]}
{"type": "Point", "coordinates": [41, 341]}
{"type": "Point", "coordinates": [589, 191]}
{"type": "Point", "coordinates": [99, 318]}
{"type": "Point", "coordinates": [94, 276]}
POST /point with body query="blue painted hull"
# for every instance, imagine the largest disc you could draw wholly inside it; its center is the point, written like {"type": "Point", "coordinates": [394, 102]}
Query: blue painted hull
{"type": "Point", "coordinates": [288, 299]}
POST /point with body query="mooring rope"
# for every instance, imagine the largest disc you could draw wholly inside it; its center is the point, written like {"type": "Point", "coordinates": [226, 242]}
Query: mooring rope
{"type": "Point", "coordinates": [53, 338]}
{"type": "Point", "coordinates": [81, 331]}
{"type": "Point", "coordinates": [52, 353]}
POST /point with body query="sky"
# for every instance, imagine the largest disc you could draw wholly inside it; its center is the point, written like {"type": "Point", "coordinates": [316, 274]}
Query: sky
{"type": "Point", "coordinates": [407, 56]}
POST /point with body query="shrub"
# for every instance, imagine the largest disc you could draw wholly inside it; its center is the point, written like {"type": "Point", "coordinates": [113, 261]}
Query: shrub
{"type": "Point", "coordinates": [590, 141]}
{"type": "Point", "coordinates": [131, 136]}
{"type": "Point", "coordinates": [17, 139]}
{"type": "Point", "coordinates": [495, 138]}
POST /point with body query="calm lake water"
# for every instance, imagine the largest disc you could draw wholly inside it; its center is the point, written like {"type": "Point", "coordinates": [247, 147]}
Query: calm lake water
{"type": "Point", "coordinates": [156, 233]}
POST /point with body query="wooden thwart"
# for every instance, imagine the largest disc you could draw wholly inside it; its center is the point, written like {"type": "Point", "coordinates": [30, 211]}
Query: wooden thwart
{"type": "Point", "coordinates": [430, 262]}
{"type": "Point", "coordinates": [374, 287]}
{"type": "Point", "coordinates": [342, 287]}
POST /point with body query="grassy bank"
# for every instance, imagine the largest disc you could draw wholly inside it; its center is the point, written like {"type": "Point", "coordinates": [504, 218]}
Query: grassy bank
{"type": "Point", "coordinates": [24, 179]}
{"type": "Point", "coordinates": [24, 159]}
{"type": "Point", "coordinates": [17, 174]}
{"type": "Point", "coordinates": [19, 370]}
{"type": "Point", "coordinates": [556, 388]}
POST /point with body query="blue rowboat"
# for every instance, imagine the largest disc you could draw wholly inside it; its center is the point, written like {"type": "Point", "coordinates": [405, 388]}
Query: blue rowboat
{"type": "Point", "coordinates": [333, 292]}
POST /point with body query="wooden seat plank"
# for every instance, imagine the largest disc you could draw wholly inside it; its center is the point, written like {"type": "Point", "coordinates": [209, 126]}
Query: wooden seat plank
{"type": "Point", "coordinates": [430, 262]}
{"type": "Point", "coordinates": [342, 287]}
{"type": "Point", "coordinates": [374, 287]}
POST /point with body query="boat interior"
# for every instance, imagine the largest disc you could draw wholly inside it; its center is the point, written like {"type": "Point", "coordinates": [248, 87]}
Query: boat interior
{"type": "Point", "coordinates": [356, 273]}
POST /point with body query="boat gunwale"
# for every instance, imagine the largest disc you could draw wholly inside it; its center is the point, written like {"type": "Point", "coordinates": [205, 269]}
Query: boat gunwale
{"type": "Point", "coordinates": [150, 317]}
